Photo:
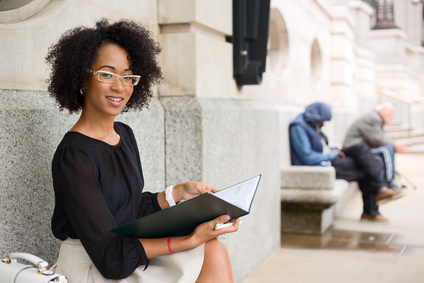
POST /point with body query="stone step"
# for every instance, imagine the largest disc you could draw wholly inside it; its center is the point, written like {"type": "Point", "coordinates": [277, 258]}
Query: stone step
{"type": "Point", "coordinates": [412, 138]}
{"type": "Point", "coordinates": [404, 132]}
{"type": "Point", "coordinates": [418, 148]}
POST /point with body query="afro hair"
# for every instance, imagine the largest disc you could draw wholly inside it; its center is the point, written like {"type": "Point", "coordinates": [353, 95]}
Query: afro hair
{"type": "Point", "coordinates": [75, 52]}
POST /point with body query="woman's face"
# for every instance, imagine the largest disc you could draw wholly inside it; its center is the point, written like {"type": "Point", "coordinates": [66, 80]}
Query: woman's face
{"type": "Point", "coordinates": [104, 99]}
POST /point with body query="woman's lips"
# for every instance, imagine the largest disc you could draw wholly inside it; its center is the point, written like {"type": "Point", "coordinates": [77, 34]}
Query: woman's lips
{"type": "Point", "coordinates": [115, 100]}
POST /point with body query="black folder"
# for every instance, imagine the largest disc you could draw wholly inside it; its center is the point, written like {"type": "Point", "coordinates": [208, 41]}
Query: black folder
{"type": "Point", "coordinates": [183, 218]}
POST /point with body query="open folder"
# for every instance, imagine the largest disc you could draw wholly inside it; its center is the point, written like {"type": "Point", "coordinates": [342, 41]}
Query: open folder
{"type": "Point", "coordinates": [183, 218]}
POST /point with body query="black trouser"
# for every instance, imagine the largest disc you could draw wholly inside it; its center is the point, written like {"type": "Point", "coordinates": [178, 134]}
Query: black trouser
{"type": "Point", "coordinates": [372, 168]}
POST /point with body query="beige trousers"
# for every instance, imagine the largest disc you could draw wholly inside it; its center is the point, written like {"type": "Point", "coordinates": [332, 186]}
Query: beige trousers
{"type": "Point", "coordinates": [182, 267]}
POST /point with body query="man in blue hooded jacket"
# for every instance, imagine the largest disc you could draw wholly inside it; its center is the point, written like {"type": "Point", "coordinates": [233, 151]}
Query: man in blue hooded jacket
{"type": "Point", "coordinates": [307, 142]}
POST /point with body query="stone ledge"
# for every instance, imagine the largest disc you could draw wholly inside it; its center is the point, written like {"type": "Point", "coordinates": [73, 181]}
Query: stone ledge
{"type": "Point", "coordinates": [317, 197]}
{"type": "Point", "coordinates": [308, 203]}
{"type": "Point", "coordinates": [308, 177]}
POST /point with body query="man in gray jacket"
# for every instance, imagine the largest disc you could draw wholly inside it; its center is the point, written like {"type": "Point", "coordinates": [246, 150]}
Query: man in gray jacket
{"type": "Point", "coordinates": [372, 150]}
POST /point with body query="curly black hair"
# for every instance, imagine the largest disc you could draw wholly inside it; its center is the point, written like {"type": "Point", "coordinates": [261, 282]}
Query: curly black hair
{"type": "Point", "coordinates": [77, 49]}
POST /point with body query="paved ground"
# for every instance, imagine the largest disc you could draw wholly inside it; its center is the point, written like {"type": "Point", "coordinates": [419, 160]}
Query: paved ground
{"type": "Point", "coordinates": [355, 251]}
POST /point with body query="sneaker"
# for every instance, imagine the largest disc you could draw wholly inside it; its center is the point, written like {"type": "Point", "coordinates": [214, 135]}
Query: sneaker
{"type": "Point", "coordinates": [395, 187]}
{"type": "Point", "coordinates": [385, 195]}
{"type": "Point", "coordinates": [376, 219]}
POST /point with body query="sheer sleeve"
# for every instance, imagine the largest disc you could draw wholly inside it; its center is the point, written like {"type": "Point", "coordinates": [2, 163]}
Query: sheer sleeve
{"type": "Point", "coordinates": [81, 198]}
{"type": "Point", "coordinates": [149, 203]}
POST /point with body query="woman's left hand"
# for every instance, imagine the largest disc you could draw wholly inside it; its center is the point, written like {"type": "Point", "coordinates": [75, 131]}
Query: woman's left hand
{"type": "Point", "coordinates": [189, 190]}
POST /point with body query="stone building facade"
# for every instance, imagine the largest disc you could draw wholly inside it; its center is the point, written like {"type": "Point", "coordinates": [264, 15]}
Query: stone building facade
{"type": "Point", "coordinates": [199, 125]}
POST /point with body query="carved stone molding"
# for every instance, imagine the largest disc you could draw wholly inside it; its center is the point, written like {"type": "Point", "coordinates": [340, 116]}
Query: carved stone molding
{"type": "Point", "coordinates": [19, 13]}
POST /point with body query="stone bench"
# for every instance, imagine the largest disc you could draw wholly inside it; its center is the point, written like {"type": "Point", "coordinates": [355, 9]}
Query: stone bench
{"type": "Point", "coordinates": [311, 198]}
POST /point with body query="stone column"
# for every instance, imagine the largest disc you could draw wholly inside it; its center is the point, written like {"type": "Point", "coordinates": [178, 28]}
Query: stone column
{"type": "Point", "coordinates": [342, 59]}
{"type": "Point", "coordinates": [212, 132]}
{"type": "Point", "coordinates": [196, 62]}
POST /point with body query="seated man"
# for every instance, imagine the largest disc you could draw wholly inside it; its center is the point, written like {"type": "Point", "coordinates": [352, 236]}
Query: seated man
{"type": "Point", "coordinates": [369, 129]}
{"type": "Point", "coordinates": [307, 142]}
{"type": "Point", "coordinates": [364, 142]}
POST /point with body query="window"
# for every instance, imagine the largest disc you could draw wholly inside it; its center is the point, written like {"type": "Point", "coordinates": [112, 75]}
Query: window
{"type": "Point", "coordinates": [278, 42]}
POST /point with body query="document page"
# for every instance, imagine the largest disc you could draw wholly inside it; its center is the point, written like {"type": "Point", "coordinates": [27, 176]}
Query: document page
{"type": "Point", "coordinates": [240, 195]}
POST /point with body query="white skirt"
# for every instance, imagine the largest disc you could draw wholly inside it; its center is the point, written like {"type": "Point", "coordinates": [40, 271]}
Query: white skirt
{"type": "Point", "coordinates": [182, 267]}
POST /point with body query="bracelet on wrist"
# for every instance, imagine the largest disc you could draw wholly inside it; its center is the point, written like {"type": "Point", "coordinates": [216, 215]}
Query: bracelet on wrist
{"type": "Point", "coordinates": [169, 245]}
{"type": "Point", "coordinates": [168, 196]}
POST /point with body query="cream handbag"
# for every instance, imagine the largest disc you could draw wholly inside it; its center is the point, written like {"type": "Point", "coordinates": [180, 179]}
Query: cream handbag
{"type": "Point", "coordinates": [11, 271]}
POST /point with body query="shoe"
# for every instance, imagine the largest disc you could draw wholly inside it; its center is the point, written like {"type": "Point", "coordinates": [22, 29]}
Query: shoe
{"type": "Point", "coordinates": [385, 195]}
{"type": "Point", "coordinates": [376, 219]}
{"type": "Point", "coordinates": [395, 187]}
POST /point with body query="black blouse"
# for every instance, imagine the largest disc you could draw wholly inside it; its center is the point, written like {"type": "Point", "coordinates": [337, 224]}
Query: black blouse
{"type": "Point", "coordinates": [98, 186]}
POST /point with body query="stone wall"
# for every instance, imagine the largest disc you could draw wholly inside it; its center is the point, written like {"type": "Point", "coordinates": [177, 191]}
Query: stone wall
{"type": "Point", "coordinates": [213, 140]}
{"type": "Point", "coordinates": [224, 142]}
{"type": "Point", "coordinates": [30, 130]}
{"type": "Point", "coordinates": [199, 126]}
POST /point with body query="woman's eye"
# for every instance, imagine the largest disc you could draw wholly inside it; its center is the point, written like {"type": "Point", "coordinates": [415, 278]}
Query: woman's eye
{"type": "Point", "coordinates": [106, 75]}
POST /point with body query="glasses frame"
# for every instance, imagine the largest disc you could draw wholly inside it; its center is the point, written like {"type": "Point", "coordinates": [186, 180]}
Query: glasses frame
{"type": "Point", "coordinates": [116, 77]}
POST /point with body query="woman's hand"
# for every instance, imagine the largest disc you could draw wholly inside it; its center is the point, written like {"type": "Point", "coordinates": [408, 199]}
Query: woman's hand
{"type": "Point", "coordinates": [206, 231]}
{"type": "Point", "coordinates": [202, 234]}
{"type": "Point", "coordinates": [189, 190]}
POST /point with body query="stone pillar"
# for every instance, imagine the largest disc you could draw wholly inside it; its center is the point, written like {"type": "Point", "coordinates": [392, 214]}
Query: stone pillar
{"type": "Point", "coordinates": [342, 59]}
{"type": "Point", "coordinates": [196, 62]}
{"type": "Point", "coordinates": [211, 133]}
{"type": "Point", "coordinates": [365, 60]}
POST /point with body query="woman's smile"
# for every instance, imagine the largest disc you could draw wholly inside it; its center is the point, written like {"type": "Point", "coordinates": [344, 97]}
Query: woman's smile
{"type": "Point", "coordinates": [117, 101]}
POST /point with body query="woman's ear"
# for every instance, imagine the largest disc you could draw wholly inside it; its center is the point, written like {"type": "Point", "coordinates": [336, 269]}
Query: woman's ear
{"type": "Point", "coordinates": [83, 90]}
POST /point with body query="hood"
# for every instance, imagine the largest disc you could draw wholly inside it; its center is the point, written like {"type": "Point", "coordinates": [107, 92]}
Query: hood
{"type": "Point", "coordinates": [317, 112]}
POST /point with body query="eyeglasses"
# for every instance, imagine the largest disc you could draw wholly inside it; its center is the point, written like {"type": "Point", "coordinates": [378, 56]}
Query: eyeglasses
{"type": "Point", "coordinates": [110, 78]}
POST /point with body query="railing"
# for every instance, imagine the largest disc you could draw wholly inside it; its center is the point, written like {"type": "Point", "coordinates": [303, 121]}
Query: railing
{"type": "Point", "coordinates": [403, 97]}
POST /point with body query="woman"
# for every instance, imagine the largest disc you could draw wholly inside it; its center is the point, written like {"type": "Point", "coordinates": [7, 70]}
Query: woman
{"type": "Point", "coordinates": [97, 173]}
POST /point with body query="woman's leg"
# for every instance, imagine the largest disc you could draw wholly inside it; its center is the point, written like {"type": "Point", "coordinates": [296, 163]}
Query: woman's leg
{"type": "Point", "coordinates": [216, 264]}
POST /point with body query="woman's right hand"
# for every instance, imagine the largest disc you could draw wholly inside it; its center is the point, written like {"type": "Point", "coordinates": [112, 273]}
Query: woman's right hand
{"type": "Point", "coordinates": [206, 231]}
{"type": "Point", "coordinates": [202, 234]}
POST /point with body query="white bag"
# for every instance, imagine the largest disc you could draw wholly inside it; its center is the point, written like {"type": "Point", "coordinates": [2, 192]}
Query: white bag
{"type": "Point", "coordinates": [11, 271]}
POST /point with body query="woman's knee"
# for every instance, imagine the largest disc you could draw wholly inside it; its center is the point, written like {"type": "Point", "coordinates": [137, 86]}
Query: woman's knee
{"type": "Point", "coordinates": [215, 246]}
{"type": "Point", "coordinates": [217, 263]}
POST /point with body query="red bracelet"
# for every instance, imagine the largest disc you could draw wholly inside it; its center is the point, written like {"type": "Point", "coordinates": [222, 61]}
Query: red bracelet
{"type": "Point", "coordinates": [169, 246]}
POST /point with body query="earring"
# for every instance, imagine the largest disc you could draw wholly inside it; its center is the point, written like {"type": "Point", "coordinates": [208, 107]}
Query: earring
{"type": "Point", "coordinates": [83, 91]}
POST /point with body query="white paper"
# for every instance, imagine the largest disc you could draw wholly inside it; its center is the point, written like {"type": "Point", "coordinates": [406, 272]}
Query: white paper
{"type": "Point", "coordinates": [240, 195]}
